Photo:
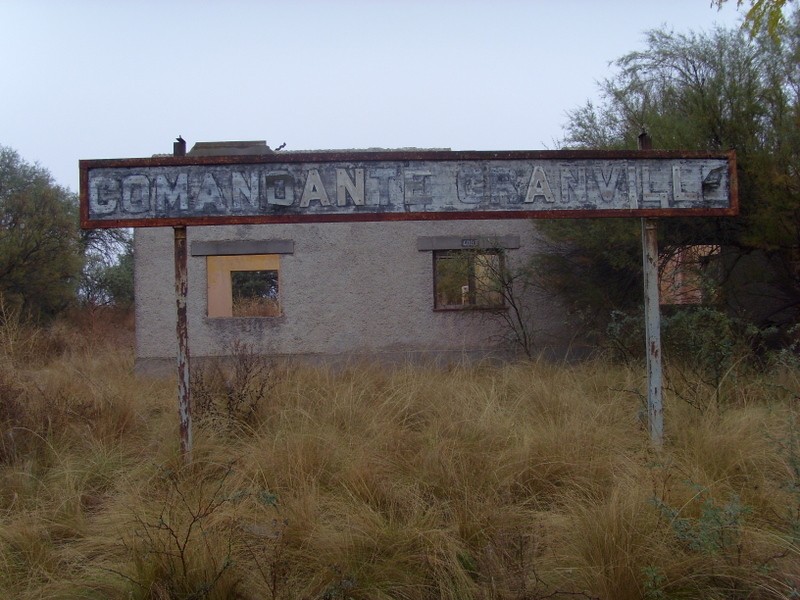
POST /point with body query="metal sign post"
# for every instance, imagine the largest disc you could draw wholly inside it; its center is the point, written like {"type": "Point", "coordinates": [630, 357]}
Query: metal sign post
{"type": "Point", "coordinates": [652, 320]}
{"type": "Point", "coordinates": [182, 335]}
{"type": "Point", "coordinates": [182, 330]}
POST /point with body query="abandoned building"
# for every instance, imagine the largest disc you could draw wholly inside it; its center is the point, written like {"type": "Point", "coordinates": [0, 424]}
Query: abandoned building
{"type": "Point", "coordinates": [356, 291]}
{"type": "Point", "coordinates": [391, 256]}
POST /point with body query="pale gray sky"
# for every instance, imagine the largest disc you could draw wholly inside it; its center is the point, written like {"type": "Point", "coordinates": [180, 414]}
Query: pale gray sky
{"type": "Point", "coordinates": [89, 79]}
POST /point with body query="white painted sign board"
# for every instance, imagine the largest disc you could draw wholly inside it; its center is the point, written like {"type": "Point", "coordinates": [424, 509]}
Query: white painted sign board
{"type": "Point", "coordinates": [404, 186]}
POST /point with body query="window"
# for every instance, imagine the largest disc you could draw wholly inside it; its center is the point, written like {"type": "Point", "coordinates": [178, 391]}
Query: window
{"type": "Point", "coordinates": [465, 279]}
{"type": "Point", "coordinates": [244, 285]}
{"type": "Point", "coordinates": [689, 275]}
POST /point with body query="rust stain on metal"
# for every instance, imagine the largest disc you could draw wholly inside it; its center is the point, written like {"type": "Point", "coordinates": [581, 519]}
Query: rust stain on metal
{"type": "Point", "coordinates": [182, 333]}
{"type": "Point", "coordinates": [652, 314]}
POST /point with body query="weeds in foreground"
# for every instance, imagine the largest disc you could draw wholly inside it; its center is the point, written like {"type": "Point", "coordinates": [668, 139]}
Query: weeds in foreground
{"type": "Point", "coordinates": [521, 482]}
{"type": "Point", "coordinates": [185, 549]}
{"type": "Point", "coordinates": [227, 393]}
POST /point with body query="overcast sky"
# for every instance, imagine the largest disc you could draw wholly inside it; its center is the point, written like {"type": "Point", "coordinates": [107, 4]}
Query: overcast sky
{"type": "Point", "coordinates": [89, 79]}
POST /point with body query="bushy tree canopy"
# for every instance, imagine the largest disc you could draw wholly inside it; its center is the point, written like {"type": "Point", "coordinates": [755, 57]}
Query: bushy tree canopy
{"type": "Point", "coordinates": [40, 250]}
{"type": "Point", "coordinates": [707, 92]}
{"type": "Point", "coordinates": [107, 277]}
{"type": "Point", "coordinates": [762, 15]}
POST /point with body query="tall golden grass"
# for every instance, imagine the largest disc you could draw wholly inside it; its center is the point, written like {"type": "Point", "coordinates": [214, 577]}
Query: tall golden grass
{"type": "Point", "coordinates": [524, 482]}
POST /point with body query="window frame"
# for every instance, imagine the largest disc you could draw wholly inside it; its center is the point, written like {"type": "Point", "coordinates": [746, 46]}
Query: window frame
{"type": "Point", "coordinates": [219, 281]}
{"type": "Point", "coordinates": [473, 292]}
{"type": "Point", "coordinates": [685, 272]}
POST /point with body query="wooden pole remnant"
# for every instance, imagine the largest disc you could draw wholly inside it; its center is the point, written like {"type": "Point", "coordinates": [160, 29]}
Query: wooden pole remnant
{"type": "Point", "coordinates": [652, 315]}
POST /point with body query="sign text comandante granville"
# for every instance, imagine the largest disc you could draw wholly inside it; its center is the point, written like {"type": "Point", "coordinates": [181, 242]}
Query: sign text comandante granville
{"type": "Point", "coordinates": [368, 186]}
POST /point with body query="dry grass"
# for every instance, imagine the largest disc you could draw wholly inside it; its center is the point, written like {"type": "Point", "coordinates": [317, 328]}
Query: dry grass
{"type": "Point", "coordinates": [521, 482]}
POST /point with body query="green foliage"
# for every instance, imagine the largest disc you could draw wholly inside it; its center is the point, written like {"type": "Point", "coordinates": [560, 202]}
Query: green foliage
{"type": "Point", "coordinates": [595, 265]}
{"type": "Point", "coordinates": [254, 284]}
{"type": "Point", "coordinates": [654, 581]}
{"type": "Point", "coordinates": [702, 92]}
{"type": "Point", "coordinates": [707, 339]}
{"type": "Point", "coordinates": [699, 343]}
{"type": "Point", "coordinates": [107, 277]}
{"type": "Point", "coordinates": [40, 253]}
{"type": "Point", "coordinates": [762, 15]}
{"type": "Point", "coordinates": [45, 260]}
{"type": "Point", "coordinates": [715, 530]}
{"type": "Point", "coordinates": [118, 278]}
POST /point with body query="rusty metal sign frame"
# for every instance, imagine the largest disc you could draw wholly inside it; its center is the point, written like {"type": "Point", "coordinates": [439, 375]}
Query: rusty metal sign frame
{"type": "Point", "coordinates": [370, 157]}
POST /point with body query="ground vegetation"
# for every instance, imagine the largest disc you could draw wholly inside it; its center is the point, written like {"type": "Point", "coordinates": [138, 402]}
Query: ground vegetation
{"type": "Point", "coordinates": [519, 482]}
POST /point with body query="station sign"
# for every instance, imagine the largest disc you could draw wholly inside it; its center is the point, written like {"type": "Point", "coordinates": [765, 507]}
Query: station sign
{"type": "Point", "coordinates": [402, 185]}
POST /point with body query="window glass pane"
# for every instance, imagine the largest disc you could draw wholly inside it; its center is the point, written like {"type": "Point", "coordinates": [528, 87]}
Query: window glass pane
{"type": "Point", "coordinates": [690, 275]}
{"type": "Point", "coordinates": [255, 293]}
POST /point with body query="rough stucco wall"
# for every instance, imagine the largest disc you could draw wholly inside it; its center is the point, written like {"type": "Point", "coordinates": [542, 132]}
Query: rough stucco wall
{"type": "Point", "coordinates": [350, 290]}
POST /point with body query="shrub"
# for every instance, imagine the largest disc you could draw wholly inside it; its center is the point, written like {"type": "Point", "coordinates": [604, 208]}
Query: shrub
{"type": "Point", "coordinates": [227, 393]}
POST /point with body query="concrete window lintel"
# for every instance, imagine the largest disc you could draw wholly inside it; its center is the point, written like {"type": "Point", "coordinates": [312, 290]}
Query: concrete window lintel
{"type": "Point", "coordinates": [459, 242]}
{"type": "Point", "coordinates": [241, 247]}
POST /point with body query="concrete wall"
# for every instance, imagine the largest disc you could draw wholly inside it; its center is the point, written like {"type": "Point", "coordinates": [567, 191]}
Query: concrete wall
{"type": "Point", "coordinates": [348, 291]}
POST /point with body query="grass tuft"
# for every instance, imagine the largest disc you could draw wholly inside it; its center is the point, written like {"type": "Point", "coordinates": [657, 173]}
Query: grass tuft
{"type": "Point", "coordinates": [516, 482]}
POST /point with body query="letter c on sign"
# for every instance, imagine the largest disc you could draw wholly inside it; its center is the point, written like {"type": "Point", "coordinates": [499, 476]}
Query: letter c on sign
{"type": "Point", "coordinates": [103, 195]}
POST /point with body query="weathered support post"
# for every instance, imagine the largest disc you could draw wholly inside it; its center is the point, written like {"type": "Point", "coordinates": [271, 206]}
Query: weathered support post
{"type": "Point", "coordinates": [652, 315]}
{"type": "Point", "coordinates": [182, 330]}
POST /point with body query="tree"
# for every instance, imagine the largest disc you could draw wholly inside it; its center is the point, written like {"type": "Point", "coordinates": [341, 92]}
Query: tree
{"type": "Point", "coordinates": [107, 277]}
{"type": "Point", "coordinates": [40, 250]}
{"type": "Point", "coordinates": [762, 15]}
{"type": "Point", "coordinates": [517, 287]}
{"type": "Point", "coordinates": [706, 92]}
